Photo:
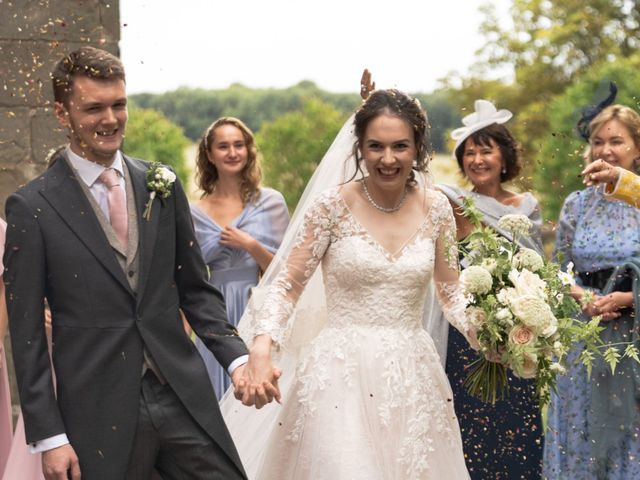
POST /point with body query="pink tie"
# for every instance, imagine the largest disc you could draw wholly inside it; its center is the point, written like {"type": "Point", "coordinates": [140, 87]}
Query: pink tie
{"type": "Point", "coordinates": [117, 207]}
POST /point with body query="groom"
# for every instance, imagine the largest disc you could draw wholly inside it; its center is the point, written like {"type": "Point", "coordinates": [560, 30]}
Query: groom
{"type": "Point", "coordinates": [116, 267]}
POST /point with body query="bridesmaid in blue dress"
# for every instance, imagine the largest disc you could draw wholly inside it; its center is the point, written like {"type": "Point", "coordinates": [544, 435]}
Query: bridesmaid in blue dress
{"type": "Point", "coordinates": [239, 225]}
{"type": "Point", "coordinates": [597, 233]}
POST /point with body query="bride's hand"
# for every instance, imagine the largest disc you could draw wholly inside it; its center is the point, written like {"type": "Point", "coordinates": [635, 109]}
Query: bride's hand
{"type": "Point", "coordinates": [493, 356]}
{"type": "Point", "coordinates": [366, 85]}
{"type": "Point", "coordinates": [472, 338]}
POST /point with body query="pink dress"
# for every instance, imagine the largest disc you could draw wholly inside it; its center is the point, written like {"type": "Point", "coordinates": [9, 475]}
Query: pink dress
{"type": "Point", "coordinates": [15, 460]}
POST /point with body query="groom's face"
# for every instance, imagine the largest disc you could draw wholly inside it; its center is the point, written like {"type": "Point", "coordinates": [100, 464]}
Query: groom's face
{"type": "Point", "coordinates": [96, 115]}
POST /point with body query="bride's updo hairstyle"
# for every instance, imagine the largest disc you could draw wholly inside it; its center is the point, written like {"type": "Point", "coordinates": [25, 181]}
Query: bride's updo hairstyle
{"type": "Point", "coordinates": [398, 104]}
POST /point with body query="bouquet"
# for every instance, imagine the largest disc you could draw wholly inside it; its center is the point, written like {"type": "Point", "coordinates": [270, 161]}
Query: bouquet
{"type": "Point", "coordinates": [525, 317]}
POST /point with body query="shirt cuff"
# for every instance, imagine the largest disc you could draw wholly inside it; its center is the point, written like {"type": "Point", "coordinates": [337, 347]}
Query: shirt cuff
{"type": "Point", "coordinates": [238, 362]}
{"type": "Point", "coordinates": [49, 443]}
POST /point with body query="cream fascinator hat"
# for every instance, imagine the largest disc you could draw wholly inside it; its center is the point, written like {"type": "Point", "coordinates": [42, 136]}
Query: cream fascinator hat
{"type": "Point", "coordinates": [485, 115]}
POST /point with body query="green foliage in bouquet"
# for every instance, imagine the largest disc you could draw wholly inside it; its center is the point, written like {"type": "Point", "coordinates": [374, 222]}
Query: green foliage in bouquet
{"type": "Point", "coordinates": [525, 317]}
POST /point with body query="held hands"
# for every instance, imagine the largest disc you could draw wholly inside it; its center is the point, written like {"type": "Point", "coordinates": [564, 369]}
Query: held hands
{"type": "Point", "coordinates": [61, 464]}
{"type": "Point", "coordinates": [600, 172]}
{"type": "Point", "coordinates": [609, 305]}
{"type": "Point", "coordinates": [236, 238]}
{"type": "Point", "coordinates": [606, 307]}
{"type": "Point", "coordinates": [256, 382]}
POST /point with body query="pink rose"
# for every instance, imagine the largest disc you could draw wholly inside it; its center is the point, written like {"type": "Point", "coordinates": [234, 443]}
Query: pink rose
{"type": "Point", "coordinates": [521, 335]}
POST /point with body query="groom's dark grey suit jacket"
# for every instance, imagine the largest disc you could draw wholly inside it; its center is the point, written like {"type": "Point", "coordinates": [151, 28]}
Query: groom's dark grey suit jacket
{"type": "Point", "coordinates": [57, 249]}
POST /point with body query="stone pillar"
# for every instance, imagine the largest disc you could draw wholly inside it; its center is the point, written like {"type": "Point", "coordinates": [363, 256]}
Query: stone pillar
{"type": "Point", "coordinates": [34, 35]}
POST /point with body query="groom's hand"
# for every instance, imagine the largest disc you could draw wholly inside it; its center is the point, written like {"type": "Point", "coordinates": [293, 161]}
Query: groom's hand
{"type": "Point", "coordinates": [61, 464]}
{"type": "Point", "coordinates": [240, 383]}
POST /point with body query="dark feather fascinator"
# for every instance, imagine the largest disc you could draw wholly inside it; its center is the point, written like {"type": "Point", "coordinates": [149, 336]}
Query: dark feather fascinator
{"type": "Point", "coordinates": [592, 111]}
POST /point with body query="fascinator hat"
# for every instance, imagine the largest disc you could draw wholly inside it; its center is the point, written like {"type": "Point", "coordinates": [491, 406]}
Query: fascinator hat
{"type": "Point", "coordinates": [592, 111]}
{"type": "Point", "coordinates": [486, 114]}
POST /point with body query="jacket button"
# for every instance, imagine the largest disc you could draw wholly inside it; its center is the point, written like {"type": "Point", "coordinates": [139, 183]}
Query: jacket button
{"type": "Point", "coordinates": [131, 273]}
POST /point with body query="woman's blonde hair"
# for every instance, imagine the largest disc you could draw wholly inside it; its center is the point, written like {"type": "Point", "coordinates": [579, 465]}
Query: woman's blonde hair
{"type": "Point", "coordinates": [625, 115]}
{"type": "Point", "coordinates": [206, 172]}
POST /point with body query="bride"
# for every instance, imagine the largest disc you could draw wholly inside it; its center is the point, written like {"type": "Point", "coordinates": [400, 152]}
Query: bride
{"type": "Point", "coordinates": [364, 395]}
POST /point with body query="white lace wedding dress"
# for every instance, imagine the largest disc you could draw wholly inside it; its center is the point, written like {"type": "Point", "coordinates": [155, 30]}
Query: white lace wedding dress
{"type": "Point", "coordinates": [369, 398]}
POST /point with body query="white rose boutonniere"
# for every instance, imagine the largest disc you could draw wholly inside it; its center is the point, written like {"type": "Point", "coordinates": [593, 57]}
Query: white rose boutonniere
{"type": "Point", "coordinates": [160, 179]}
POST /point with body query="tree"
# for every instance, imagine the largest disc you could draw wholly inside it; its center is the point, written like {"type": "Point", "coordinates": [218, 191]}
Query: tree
{"type": "Point", "coordinates": [551, 42]}
{"type": "Point", "coordinates": [151, 136]}
{"type": "Point", "coordinates": [561, 154]}
{"type": "Point", "coordinates": [293, 144]}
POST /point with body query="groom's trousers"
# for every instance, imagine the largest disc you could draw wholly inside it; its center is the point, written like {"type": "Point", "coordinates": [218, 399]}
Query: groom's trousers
{"type": "Point", "coordinates": [169, 441]}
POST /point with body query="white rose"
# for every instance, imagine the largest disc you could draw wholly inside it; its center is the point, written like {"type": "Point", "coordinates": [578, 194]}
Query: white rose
{"type": "Point", "coordinates": [167, 175]}
{"type": "Point", "coordinates": [532, 311]}
{"type": "Point", "coordinates": [476, 279]}
{"type": "Point", "coordinates": [515, 223]}
{"type": "Point", "coordinates": [527, 283]}
{"type": "Point", "coordinates": [476, 315]}
{"type": "Point", "coordinates": [527, 258]}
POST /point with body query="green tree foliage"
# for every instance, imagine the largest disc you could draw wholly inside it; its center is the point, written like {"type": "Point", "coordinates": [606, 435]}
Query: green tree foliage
{"type": "Point", "coordinates": [293, 144]}
{"type": "Point", "coordinates": [552, 41]}
{"type": "Point", "coordinates": [561, 159]}
{"type": "Point", "coordinates": [442, 117]}
{"type": "Point", "coordinates": [195, 109]}
{"type": "Point", "coordinates": [151, 136]}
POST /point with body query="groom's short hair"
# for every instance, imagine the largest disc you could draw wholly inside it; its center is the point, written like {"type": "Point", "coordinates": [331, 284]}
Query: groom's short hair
{"type": "Point", "coordinates": [86, 61]}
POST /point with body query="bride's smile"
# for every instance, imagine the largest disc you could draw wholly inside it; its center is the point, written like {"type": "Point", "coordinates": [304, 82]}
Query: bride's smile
{"type": "Point", "coordinates": [388, 152]}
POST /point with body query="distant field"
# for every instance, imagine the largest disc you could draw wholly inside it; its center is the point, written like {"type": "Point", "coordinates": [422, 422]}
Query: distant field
{"type": "Point", "coordinates": [444, 169]}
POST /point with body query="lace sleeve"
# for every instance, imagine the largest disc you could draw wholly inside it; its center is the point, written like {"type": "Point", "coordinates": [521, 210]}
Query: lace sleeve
{"type": "Point", "coordinates": [446, 270]}
{"type": "Point", "coordinates": [280, 297]}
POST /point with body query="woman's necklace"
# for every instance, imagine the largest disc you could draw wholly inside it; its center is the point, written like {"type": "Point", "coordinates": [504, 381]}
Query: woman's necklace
{"type": "Point", "coordinates": [380, 207]}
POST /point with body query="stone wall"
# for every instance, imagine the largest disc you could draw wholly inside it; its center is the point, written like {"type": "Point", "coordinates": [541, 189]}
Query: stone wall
{"type": "Point", "coordinates": [34, 35]}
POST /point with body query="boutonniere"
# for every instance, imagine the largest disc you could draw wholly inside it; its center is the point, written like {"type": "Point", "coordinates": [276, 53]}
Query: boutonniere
{"type": "Point", "coordinates": [159, 181]}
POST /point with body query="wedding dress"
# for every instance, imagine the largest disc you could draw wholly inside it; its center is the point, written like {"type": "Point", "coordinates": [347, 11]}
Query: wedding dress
{"type": "Point", "coordinates": [369, 398]}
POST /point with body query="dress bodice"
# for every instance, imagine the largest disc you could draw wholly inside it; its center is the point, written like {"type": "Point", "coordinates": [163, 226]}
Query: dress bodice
{"type": "Point", "coordinates": [365, 285]}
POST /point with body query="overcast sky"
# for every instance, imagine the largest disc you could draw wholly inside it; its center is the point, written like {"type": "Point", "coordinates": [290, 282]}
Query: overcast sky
{"type": "Point", "coordinates": [408, 44]}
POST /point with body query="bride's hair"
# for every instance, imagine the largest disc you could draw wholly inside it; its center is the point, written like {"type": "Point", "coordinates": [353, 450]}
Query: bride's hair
{"type": "Point", "coordinates": [399, 104]}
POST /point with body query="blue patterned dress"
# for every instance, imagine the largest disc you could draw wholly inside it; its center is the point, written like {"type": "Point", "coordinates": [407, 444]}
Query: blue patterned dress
{"type": "Point", "coordinates": [234, 271]}
{"type": "Point", "coordinates": [595, 234]}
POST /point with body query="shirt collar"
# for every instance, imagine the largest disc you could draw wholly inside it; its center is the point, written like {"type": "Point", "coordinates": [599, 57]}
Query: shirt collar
{"type": "Point", "coordinates": [90, 171]}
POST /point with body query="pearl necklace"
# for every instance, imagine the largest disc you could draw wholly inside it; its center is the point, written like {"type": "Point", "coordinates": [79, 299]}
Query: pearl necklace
{"type": "Point", "coordinates": [380, 207]}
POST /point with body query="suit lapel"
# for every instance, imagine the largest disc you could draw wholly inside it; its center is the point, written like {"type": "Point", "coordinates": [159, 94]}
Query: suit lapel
{"type": "Point", "coordinates": [147, 229]}
{"type": "Point", "coordinates": [66, 197]}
